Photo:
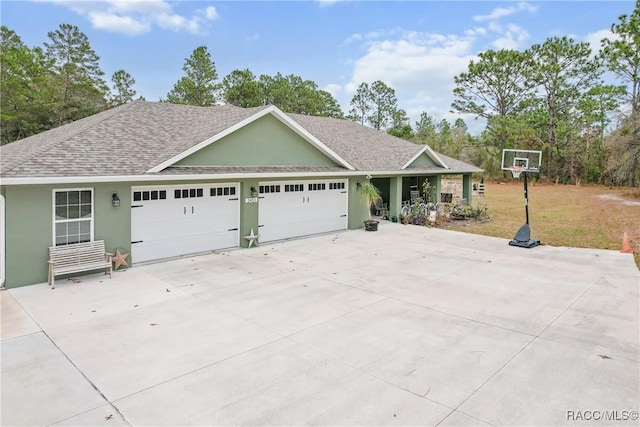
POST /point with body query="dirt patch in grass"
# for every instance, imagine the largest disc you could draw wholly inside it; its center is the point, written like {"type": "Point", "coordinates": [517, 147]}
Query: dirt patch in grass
{"type": "Point", "coordinates": [619, 199]}
{"type": "Point", "coordinates": [633, 193]}
{"type": "Point", "coordinates": [563, 215]}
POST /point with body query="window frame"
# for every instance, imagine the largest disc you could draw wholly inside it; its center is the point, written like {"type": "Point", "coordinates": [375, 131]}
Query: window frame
{"type": "Point", "coordinates": [57, 221]}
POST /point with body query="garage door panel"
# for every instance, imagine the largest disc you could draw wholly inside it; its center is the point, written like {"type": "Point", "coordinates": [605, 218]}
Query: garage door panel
{"type": "Point", "coordinates": [322, 226]}
{"type": "Point", "coordinates": [166, 246]}
{"type": "Point", "coordinates": [148, 248]}
{"type": "Point", "coordinates": [297, 208]}
{"type": "Point", "coordinates": [326, 210]}
{"type": "Point", "coordinates": [189, 219]}
{"type": "Point", "coordinates": [199, 228]}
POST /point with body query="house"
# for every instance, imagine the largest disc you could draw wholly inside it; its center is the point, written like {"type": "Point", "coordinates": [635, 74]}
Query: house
{"type": "Point", "coordinates": [159, 180]}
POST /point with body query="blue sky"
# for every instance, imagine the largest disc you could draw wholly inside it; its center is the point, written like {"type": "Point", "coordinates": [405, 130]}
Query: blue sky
{"type": "Point", "coordinates": [416, 47]}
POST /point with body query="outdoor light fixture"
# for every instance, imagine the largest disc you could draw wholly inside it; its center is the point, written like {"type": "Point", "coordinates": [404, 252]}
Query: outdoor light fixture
{"type": "Point", "coordinates": [115, 200]}
{"type": "Point", "coordinates": [358, 185]}
{"type": "Point", "coordinates": [254, 192]}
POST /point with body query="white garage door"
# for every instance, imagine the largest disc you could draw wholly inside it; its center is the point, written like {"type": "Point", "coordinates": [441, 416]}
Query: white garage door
{"type": "Point", "coordinates": [170, 221]}
{"type": "Point", "coordinates": [299, 208]}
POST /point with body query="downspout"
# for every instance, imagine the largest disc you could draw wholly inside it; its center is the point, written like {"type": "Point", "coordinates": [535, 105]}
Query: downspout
{"type": "Point", "coordinates": [3, 246]}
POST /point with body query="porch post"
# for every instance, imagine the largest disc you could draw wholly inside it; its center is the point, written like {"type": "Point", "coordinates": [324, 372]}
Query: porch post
{"type": "Point", "coordinates": [466, 188]}
{"type": "Point", "coordinates": [437, 184]}
{"type": "Point", "coordinates": [395, 196]}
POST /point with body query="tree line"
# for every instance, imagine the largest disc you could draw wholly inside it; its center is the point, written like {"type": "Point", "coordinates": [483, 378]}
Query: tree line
{"type": "Point", "coordinates": [61, 81]}
{"type": "Point", "coordinates": [550, 97]}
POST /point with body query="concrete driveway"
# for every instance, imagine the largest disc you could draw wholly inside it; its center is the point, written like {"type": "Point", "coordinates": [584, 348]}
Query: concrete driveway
{"type": "Point", "coordinates": [406, 326]}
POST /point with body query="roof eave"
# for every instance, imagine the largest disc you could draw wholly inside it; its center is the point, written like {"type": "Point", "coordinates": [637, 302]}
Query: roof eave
{"type": "Point", "coordinates": [54, 180]}
{"type": "Point", "coordinates": [383, 173]}
{"type": "Point", "coordinates": [163, 178]}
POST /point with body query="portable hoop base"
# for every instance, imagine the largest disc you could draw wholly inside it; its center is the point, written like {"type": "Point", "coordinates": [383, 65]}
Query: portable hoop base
{"type": "Point", "coordinates": [523, 238]}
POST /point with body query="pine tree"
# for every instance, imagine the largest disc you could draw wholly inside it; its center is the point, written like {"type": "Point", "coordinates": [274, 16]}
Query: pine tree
{"type": "Point", "coordinates": [198, 86]}
{"type": "Point", "coordinates": [78, 77]}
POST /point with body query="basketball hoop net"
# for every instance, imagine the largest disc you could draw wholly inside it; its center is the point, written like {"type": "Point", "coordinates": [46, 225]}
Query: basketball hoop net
{"type": "Point", "coordinates": [516, 171]}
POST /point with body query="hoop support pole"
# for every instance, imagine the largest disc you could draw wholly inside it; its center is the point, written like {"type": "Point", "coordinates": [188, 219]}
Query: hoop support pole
{"type": "Point", "coordinates": [526, 198]}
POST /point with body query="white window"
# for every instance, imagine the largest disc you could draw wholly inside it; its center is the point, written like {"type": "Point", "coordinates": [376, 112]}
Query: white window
{"type": "Point", "coordinates": [72, 216]}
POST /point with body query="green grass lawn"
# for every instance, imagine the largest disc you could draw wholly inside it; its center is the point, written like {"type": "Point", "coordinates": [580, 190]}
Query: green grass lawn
{"type": "Point", "coordinates": [563, 215]}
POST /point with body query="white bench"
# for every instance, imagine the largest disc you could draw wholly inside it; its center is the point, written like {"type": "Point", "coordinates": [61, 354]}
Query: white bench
{"type": "Point", "coordinates": [78, 257]}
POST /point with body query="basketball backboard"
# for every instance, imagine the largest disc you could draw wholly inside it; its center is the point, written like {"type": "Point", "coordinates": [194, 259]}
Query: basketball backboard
{"type": "Point", "coordinates": [523, 160]}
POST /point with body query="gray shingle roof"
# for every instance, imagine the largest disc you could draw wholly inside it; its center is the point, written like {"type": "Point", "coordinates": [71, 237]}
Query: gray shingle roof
{"type": "Point", "coordinates": [363, 147]}
{"type": "Point", "coordinates": [126, 140]}
{"type": "Point", "coordinates": [454, 165]}
{"type": "Point", "coordinates": [133, 138]}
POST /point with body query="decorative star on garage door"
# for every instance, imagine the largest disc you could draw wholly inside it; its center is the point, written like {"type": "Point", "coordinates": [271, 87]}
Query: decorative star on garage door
{"type": "Point", "coordinates": [252, 238]}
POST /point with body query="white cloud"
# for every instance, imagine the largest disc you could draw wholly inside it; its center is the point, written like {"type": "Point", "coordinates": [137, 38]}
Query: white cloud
{"type": "Point", "coordinates": [211, 13]}
{"type": "Point", "coordinates": [501, 12]}
{"type": "Point", "coordinates": [177, 22]}
{"type": "Point", "coordinates": [371, 35]}
{"type": "Point", "coordinates": [496, 27]}
{"type": "Point", "coordinates": [352, 38]}
{"type": "Point", "coordinates": [132, 17]}
{"type": "Point", "coordinates": [135, 6]}
{"type": "Point", "coordinates": [417, 60]}
{"type": "Point", "coordinates": [253, 38]}
{"type": "Point", "coordinates": [333, 89]}
{"type": "Point", "coordinates": [477, 31]}
{"type": "Point", "coordinates": [510, 36]}
{"type": "Point", "coordinates": [420, 67]}
{"type": "Point", "coordinates": [513, 38]}
{"type": "Point", "coordinates": [118, 24]}
{"type": "Point", "coordinates": [324, 3]}
{"type": "Point", "coordinates": [594, 39]}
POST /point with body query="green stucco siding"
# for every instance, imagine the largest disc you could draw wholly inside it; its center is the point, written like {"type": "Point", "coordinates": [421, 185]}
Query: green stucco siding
{"type": "Point", "coordinates": [28, 234]}
{"type": "Point", "coordinates": [29, 227]}
{"type": "Point", "coordinates": [248, 211]}
{"type": "Point", "coordinates": [358, 210]}
{"type": "Point", "coordinates": [423, 161]}
{"type": "Point", "coordinates": [29, 220]}
{"type": "Point", "coordinates": [113, 224]}
{"type": "Point", "coordinates": [265, 142]}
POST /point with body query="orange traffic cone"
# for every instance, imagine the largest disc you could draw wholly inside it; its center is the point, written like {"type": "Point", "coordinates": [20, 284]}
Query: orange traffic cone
{"type": "Point", "coordinates": [626, 247]}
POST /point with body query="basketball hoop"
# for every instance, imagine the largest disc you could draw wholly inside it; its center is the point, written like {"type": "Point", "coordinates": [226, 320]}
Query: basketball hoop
{"type": "Point", "coordinates": [518, 161]}
{"type": "Point", "coordinates": [516, 171]}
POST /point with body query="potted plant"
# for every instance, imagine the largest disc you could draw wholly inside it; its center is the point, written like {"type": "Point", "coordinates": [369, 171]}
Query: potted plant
{"type": "Point", "coordinates": [369, 193]}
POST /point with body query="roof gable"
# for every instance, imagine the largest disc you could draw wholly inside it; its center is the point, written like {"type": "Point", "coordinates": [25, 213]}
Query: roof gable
{"type": "Point", "coordinates": [263, 142]}
{"type": "Point", "coordinates": [426, 157]}
{"type": "Point", "coordinates": [275, 112]}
